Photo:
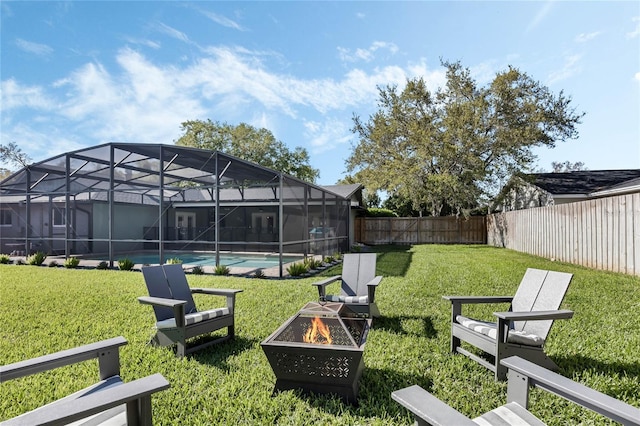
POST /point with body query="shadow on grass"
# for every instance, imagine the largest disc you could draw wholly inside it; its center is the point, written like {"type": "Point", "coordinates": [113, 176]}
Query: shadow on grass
{"type": "Point", "coordinates": [217, 355]}
{"type": "Point", "coordinates": [577, 364]}
{"type": "Point", "coordinates": [393, 260]}
{"type": "Point", "coordinates": [373, 385]}
{"type": "Point", "coordinates": [395, 325]}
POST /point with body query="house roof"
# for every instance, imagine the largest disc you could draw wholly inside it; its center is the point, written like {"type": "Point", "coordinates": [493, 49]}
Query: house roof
{"type": "Point", "coordinates": [583, 182]}
{"type": "Point", "coordinates": [345, 191]}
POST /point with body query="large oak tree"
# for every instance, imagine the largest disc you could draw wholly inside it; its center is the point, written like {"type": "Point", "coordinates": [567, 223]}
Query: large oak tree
{"type": "Point", "coordinates": [450, 149]}
{"type": "Point", "coordinates": [248, 143]}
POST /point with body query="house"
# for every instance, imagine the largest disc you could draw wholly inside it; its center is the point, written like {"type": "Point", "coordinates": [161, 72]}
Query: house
{"type": "Point", "coordinates": [118, 198]}
{"type": "Point", "coordinates": [545, 189]}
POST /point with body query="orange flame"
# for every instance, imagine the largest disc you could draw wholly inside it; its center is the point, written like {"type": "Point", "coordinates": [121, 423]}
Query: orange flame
{"type": "Point", "coordinates": [317, 333]}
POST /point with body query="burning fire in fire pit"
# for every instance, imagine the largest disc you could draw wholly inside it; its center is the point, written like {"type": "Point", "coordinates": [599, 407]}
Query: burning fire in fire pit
{"type": "Point", "coordinates": [317, 333]}
{"type": "Point", "coordinates": [319, 349]}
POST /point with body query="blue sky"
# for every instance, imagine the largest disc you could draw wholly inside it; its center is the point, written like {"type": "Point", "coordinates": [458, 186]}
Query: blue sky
{"type": "Point", "coordinates": [77, 74]}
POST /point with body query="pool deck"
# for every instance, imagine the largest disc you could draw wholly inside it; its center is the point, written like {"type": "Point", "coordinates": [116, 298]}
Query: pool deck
{"type": "Point", "coordinates": [273, 272]}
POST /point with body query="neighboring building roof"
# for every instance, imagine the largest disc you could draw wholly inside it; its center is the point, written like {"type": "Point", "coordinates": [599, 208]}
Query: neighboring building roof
{"type": "Point", "coordinates": [585, 182]}
{"type": "Point", "coordinates": [345, 191]}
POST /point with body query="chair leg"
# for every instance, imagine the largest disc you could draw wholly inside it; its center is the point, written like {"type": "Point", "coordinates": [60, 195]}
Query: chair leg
{"type": "Point", "coordinates": [231, 331]}
{"type": "Point", "coordinates": [181, 348]}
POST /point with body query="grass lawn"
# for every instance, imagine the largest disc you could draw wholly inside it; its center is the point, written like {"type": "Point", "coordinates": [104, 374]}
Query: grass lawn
{"type": "Point", "coordinates": [43, 310]}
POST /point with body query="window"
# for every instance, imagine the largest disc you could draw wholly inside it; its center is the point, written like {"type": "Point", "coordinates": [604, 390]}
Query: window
{"type": "Point", "coordinates": [5, 217]}
{"type": "Point", "coordinates": [58, 218]}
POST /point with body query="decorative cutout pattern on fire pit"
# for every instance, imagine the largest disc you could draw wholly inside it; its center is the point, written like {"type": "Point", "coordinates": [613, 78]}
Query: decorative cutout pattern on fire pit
{"type": "Point", "coordinates": [335, 366]}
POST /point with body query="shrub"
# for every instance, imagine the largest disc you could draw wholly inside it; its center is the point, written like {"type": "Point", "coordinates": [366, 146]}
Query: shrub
{"type": "Point", "coordinates": [259, 273]}
{"type": "Point", "coordinates": [53, 264]}
{"type": "Point", "coordinates": [221, 270]}
{"type": "Point", "coordinates": [337, 256]}
{"type": "Point", "coordinates": [125, 264]}
{"type": "Point", "coordinates": [5, 259]}
{"type": "Point", "coordinates": [37, 258]}
{"type": "Point", "coordinates": [103, 265]}
{"type": "Point", "coordinates": [174, 261]}
{"type": "Point", "coordinates": [197, 270]}
{"type": "Point", "coordinates": [312, 263]}
{"type": "Point", "coordinates": [296, 269]}
{"type": "Point", "coordinates": [71, 262]}
{"type": "Point", "coordinates": [19, 262]}
{"type": "Point", "coordinates": [329, 259]}
{"type": "Point", "coordinates": [378, 212]}
{"type": "Point", "coordinates": [356, 249]}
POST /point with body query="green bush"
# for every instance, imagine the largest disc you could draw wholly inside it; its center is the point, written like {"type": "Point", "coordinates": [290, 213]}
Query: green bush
{"type": "Point", "coordinates": [174, 261]}
{"type": "Point", "coordinates": [125, 264]}
{"type": "Point", "coordinates": [197, 270]}
{"type": "Point", "coordinates": [37, 258]}
{"type": "Point", "coordinates": [329, 259]}
{"type": "Point", "coordinates": [221, 270]}
{"type": "Point", "coordinates": [312, 263]}
{"type": "Point", "coordinates": [5, 259]}
{"type": "Point", "coordinates": [103, 265]}
{"type": "Point", "coordinates": [259, 273]}
{"type": "Point", "coordinates": [71, 262]}
{"type": "Point", "coordinates": [379, 212]}
{"type": "Point", "coordinates": [296, 269]}
{"type": "Point", "coordinates": [53, 264]}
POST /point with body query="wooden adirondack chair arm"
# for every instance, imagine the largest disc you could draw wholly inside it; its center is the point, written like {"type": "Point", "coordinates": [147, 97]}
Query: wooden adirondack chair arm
{"type": "Point", "coordinates": [71, 410]}
{"type": "Point", "coordinates": [159, 301]}
{"type": "Point", "coordinates": [534, 375]}
{"type": "Point", "coordinates": [478, 299]}
{"type": "Point", "coordinates": [429, 410]}
{"type": "Point", "coordinates": [322, 290]}
{"type": "Point", "coordinates": [534, 315]}
{"type": "Point", "coordinates": [375, 281]}
{"type": "Point", "coordinates": [327, 281]}
{"type": "Point", "coordinates": [216, 291]}
{"type": "Point", "coordinates": [62, 358]}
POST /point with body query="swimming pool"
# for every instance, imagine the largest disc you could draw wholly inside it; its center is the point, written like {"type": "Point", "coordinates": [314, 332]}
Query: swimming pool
{"type": "Point", "coordinates": [231, 260]}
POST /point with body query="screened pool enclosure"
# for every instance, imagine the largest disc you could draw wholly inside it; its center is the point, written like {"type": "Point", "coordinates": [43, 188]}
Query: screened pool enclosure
{"type": "Point", "coordinates": [115, 199]}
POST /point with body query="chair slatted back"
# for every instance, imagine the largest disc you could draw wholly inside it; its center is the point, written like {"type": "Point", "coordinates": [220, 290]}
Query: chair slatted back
{"type": "Point", "coordinates": [179, 286]}
{"type": "Point", "coordinates": [540, 291]}
{"type": "Point", "coordinates": [357, 270]}
{"type": "Point", "coordinates": [158, 286]}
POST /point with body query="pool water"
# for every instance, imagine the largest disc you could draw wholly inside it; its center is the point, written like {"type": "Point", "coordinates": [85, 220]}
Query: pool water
{"type": "Point", "coordinates": [209, 259]}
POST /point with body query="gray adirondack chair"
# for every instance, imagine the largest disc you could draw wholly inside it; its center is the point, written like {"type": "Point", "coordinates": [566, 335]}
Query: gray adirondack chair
{"type": "Point", "coordinates": [110, 401]}
{"type": "Point", "coordinates": [177, 318]}
{"type": "Point", "coordinates": [358, 284]}
{"type": "Point", "coordinates": [522, 330]}
{"type": "Point", "coordinates": [429, 410]}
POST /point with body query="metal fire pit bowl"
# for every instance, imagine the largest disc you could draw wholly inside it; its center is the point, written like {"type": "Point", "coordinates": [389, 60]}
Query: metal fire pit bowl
{"type": "Point", "coordinates": [322, 367]}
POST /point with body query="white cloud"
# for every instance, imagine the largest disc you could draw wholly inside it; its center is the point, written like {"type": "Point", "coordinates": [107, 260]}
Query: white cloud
{"type": "Point", "coordinates": [35, 48]}
{"type": "Point", "coordinates": [172, 32]}
{"type": "Point", "coordinates": [542, 13]}
{"type": "Point", "coordinates": [143, 101]}
{"type": "Point", "coordinates": [571, 67]}
{"type": "Point", "coordinates": [585, 37]}
{"type": "Point", "coordinates": [367, 54]}
{"type": "Point", "coordinates": [15, 95]}
{"type": "Point", "coordinates": [223, 20]}
{"type": "Point", "coordinates": [636, 32]}
{"type": "Point", "coordinates": [326, 135]}
{"type": "Point", "coordinates": [637, 76]}
{"type": "Point", "coordinates": [143, 42]}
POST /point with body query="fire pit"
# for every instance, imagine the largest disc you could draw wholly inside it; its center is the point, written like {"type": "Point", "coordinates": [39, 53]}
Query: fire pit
{"type": "Point", "coordinates": [319, 350]}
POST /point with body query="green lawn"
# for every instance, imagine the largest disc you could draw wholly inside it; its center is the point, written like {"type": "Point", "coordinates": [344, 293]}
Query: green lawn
{"type": "Point", "coordinates": [43, 310]}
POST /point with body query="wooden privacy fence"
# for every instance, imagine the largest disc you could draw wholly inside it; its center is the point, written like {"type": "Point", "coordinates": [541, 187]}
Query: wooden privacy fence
{"type": "Point", "coordinates": [420, 230]}
{"type": "Point", "coordinates": [602, 233]}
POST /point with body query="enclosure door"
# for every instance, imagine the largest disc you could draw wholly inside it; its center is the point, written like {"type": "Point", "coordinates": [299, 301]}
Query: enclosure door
{"type": "Point", "coordinates": [185, 225]}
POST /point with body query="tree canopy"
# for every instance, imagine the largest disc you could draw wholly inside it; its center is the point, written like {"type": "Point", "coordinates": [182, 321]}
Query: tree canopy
{"type": "Point", "coordinates": [452, 147]}
{"type": "Point", "coordinates": [248, 143]}
{"type": "Point", "coordinates": [12, 154]}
